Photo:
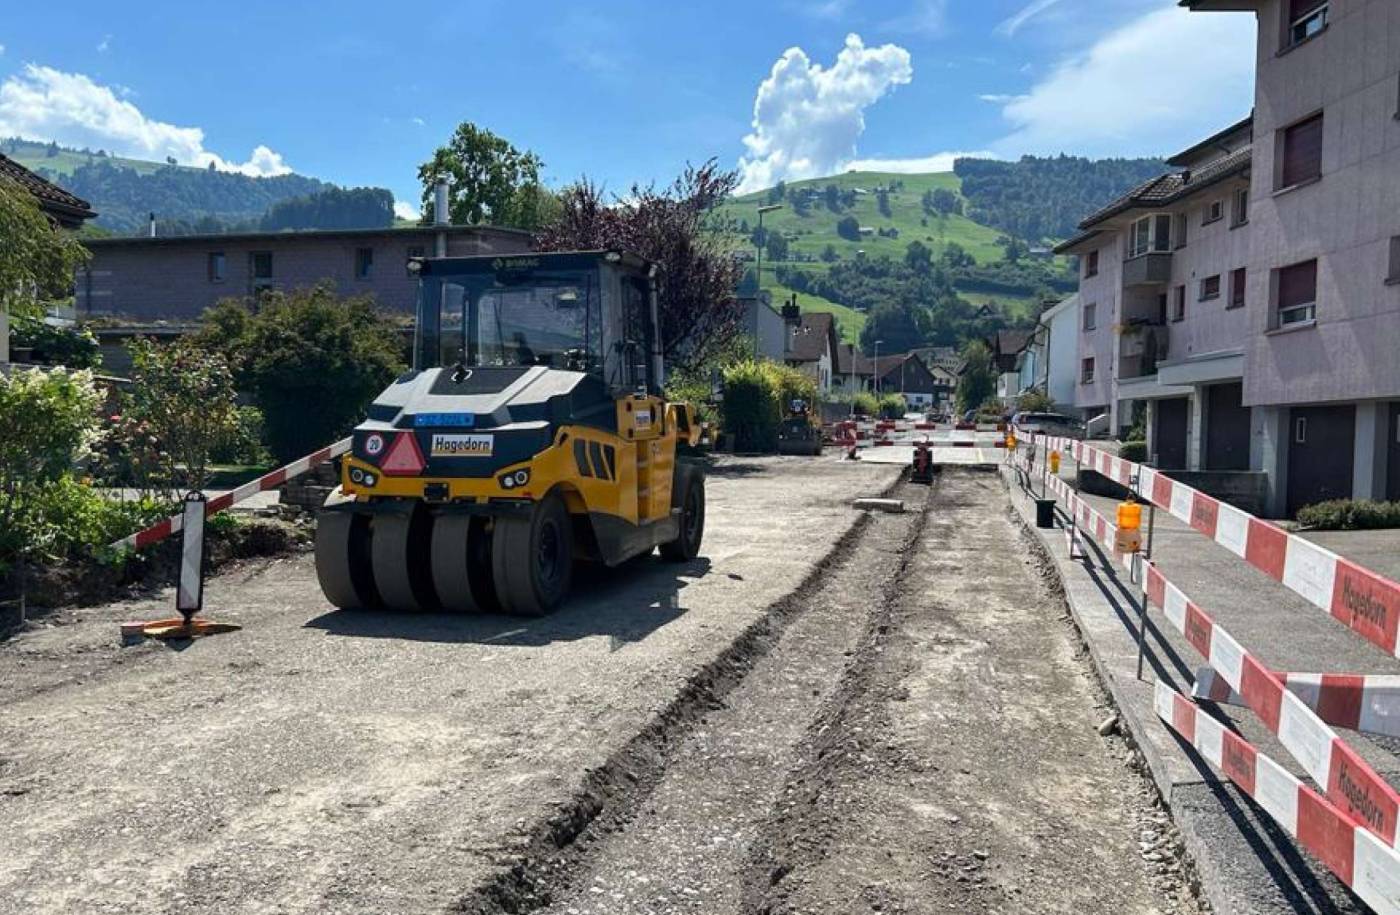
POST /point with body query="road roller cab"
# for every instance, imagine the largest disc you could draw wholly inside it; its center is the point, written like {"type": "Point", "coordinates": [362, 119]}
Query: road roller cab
{"type": "Point", "coordinates": [531, 432]}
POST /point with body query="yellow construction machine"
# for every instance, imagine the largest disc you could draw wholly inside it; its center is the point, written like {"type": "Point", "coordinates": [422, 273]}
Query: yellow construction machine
{"type": "Point", "coordinates": [531, 432]}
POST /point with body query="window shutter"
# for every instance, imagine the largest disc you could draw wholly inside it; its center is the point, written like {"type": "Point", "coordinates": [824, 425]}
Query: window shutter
{"type": "Point", "coordinates": [1302, 152]}
{"type": "Point", "coordinates": [1297, 285]}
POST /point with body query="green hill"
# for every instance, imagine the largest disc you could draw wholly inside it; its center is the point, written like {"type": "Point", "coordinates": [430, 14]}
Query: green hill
{"type": "Point", "coordinates": [62, 161]}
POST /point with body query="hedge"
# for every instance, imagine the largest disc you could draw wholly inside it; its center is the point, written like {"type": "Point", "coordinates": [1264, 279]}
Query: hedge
{"type": "Point", "coordinates": [1133, 451]}
{"type": "Point", "coordinates": [1350, 515]}
{"type": "Point", "coordinates": [757, 396]}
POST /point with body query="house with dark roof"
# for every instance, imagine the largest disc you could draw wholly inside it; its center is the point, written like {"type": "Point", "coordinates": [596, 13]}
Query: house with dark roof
{"type": "Point", "coordinates": [813, 347]}
{"type": "Point", "coordinates": [854, 370]}
{"type": "Point", "coordinates": [1161, 301]}
{"type": "Point", "coordinates": [176, 277]}
{"type": "Point", "coordinates": [65, 209]}
{"type": "Point", "coordinates": [907, 374]}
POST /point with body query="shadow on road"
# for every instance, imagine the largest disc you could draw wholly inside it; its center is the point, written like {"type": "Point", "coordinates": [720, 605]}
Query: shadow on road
{"type": "Point", "coordinates": [627, 604]}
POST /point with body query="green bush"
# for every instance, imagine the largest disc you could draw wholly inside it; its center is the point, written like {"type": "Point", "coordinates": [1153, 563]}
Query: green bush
{"type": "Point", "coordinates": [244, 445]}
{"type": "Point", "coordinates": [1034, 402]}
{"type": "Point", "coordinates": [68, 519]}
{"type": "Point", "coordinates": [865, 403]}
{"type": "Point", "coordinates": [1350, 515]}
{"type": "Point", "coordinates": [50, 424]}
{"type": "Point", "coordinates": [893, 406]}
{"type": "Point", "coordinates": [76, 349]}
{"type": "Point", "coordinates": [793, 384]}
{"type": "Point", "coordinates": [751, 412]}
{"type": "Point", "coordinates": [1135, 451]}
{"type": "Point", "coordinates": [311, 360]}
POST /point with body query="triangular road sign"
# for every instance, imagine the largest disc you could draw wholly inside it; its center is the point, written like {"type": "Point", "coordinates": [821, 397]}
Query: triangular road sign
{"type": "Point", "coordinates": [404, 458]}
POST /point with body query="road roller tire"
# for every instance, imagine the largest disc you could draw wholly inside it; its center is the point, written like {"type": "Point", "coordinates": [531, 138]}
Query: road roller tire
{"type": "Point", "coordinates": [461, 562]}
{"type": "Point", "coordinates": [399, 555]}
{"type": "Point", "coordinates": [342, 560]}
{"type": "Point", "coordinates": [687, 494]}
{"type": "Point", "coordinates": [532, 558]}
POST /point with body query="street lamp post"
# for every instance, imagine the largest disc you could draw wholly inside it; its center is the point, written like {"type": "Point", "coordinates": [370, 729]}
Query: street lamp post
{"type": "Point", "coordinates": [758, 269]}
{"type": "Point", "coordinates": [877, 368]}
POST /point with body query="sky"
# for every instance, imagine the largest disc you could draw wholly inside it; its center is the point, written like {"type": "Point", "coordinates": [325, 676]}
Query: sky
{"type": "Point", "coordinates": [628, 91]}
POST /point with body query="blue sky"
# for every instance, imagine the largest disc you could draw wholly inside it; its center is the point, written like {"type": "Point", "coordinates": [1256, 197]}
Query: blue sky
{"type": "Point", "coordinates": [359, 93]}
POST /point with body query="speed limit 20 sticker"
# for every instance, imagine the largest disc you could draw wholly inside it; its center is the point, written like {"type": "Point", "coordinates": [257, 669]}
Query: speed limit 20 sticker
{"type": "Point", "coordinates": [374, 445]}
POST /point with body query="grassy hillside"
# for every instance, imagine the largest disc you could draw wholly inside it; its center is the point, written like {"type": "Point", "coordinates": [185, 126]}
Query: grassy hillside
{"type": "Point", "coordinates": [848, 320]}
{"type": "Point", "coordinates": [811, 232]}
{"type": "Point", "coordinates": [34, 156]}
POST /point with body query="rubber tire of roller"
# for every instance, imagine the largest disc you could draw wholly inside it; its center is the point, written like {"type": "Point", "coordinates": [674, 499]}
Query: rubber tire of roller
{"type": "Point", "coordinates": [342, 560]}
{"type": "Point", "coordinates": [461, 564]}
{"type": "Point", "coordinates": [688, 494]}
{"type": "Point", "coordinates": [399, 556]}
{"type": "Point", "coordinates": [515, 548]}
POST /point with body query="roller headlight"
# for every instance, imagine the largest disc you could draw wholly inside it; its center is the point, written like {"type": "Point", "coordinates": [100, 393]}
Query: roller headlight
{"type": "Point", "coordinates": [514, 479]}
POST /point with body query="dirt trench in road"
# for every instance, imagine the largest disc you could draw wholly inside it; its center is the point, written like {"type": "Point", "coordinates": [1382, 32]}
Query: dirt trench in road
{"type": "Point", "coordinates": [921, 736]}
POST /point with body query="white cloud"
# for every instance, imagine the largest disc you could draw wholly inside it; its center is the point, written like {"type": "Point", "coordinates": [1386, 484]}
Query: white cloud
{"type": "Point", "coordinates": [807, 118]}
{"type": "Point", "coordinates": [1011, 24]}
{"type": "Point", "coordinates": [997, 98]}
{"type": "Point", "coordinates": [2, 49]}
{"type": "Point", "coordinates": [938, 162]}
{"type": "Point", "coordinates": [46, 104]}
{"type": "Point", "coordinates": [418, 121]}
{"type": "Point", "coordinates": [1129, 94]}
{"type": "Point", "coordinates": [105, 44]}
{"type": "Point", "coordinates": [405, 210]}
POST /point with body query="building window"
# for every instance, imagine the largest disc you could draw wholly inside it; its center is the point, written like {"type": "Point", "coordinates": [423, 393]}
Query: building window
{"type": "Point", "coordinates": [364, 263]}
{"type": "Point", "coordinates": [1180, 230]}
{"type": "Point", "coordinates": [1393, 274]}
{"type": "Point", "coordinates": [1150, 233]}
{"type": "Point", "coordinates": [218, 267]}
{"type": "Point", "coordinates": [1237, 280]}
{"type": "Point", "coordinates": [1091, 264]}
{"type": "Point", "coordinates": [1305, 19]}
{"type": "Point", "coordinates": [1214, 212]}
{"type": "Point", "coordinates": [1300, 152]}
{"type": "Point", "coordinates": [1240, 211]}
{"type": "Point", "coordinates": [1090, 316]}
{"type": "Point", "coordinates": [260, 268]}
{"type": "Point", "coordinates": [1300, 430]}
{"type": "Point", "coordinates": [1210, 288]}
{"type": "Point", "coordinates": [1297, 293]}
{"type": "Point", "coordinates": [1179, 304]}
{"type": "Point", "coordinates": [1086, 371]}
{"type": "Point", "coordinates": [414, 253]}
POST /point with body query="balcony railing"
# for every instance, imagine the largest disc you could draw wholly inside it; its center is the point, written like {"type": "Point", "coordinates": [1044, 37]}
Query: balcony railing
{"type": "Point", "coordinates": [1151, 269]}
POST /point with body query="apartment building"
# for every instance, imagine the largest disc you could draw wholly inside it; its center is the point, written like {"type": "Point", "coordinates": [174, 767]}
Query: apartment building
{"type": "Point", "coordinates": [1161, 322]}
{"type": "Point", "coordinates": [1322, 303]}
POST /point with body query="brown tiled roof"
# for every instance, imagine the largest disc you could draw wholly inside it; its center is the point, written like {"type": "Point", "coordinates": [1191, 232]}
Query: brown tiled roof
{"type": "Point", "coordinates": [846, 354]}
{"type": "Point", "coordinates": [809, 339]}
{"type": "Point", "coordinates": [50, 195]}
{"type": "Point", "coordinates": [1171, 187]}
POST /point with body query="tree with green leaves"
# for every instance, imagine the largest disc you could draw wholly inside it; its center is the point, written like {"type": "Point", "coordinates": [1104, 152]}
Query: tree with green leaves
{"type": "Point", "coordinates": [491, 181]}
{"type": "Point", "coordinates": [899, 325]}
{"type": "Point", "coordinates": [978, 382]}
{"type": "Point", "coordinates": [308, 347]}
{"type": "Point", "coordinates": [918, 257]}
{"type": "Point", "coordinates": [848, 227]}
{"type": "Point", "coordinates": [37, 258]}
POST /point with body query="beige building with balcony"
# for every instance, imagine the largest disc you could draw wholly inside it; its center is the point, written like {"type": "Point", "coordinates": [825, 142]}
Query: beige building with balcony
{"type": "Point", "coordinates": [1161, 298]}
{"type": "Point", "coordinates": [1252, 298]}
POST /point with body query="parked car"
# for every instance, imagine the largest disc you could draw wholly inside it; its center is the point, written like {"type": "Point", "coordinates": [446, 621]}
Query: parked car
{"type": "Point", "coordinates": [1047, 424]}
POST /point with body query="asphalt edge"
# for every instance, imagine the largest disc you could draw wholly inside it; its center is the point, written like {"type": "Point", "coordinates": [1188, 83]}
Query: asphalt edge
{"type": "Point", "coordinates": [1198, 865]}
{"type": "Point", "coordinates": [607, 790]}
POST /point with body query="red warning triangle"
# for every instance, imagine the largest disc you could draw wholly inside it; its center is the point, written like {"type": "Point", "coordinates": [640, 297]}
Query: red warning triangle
{"type": "Point", "coordinates": [404, 458]}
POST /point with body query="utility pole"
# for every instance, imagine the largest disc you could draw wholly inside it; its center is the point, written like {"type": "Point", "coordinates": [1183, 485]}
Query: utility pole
{"type": "Point", "coordinates": [877, 368]}
{"type": "Point", "coordinates": [758, 270]}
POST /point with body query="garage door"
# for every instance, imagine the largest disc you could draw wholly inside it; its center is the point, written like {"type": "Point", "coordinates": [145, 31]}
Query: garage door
{"type": "Point", "coordinates": [1227, 428]}
{"type": "Point", "coordinates": [1321, 442]}
{"type": "Point", "coordinates": [1169, 433]}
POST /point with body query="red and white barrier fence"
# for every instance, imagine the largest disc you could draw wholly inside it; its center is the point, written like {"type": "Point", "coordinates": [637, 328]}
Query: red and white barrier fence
{"type": "Point", "coordinates": [1359, 795]}
{"type": "Point", "coordinates": [1366, 602]}
{"type": "Point", "coordinates": [158, 532]}
{"type": "Point", "coordinates": [1358, 858]}
{"type": "Point", "coordinates": [1358, 702]}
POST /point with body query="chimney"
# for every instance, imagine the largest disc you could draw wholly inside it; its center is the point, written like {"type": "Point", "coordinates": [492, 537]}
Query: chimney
{"type": "Point", "coordinates": [441, 215]}
{"type": "Point", "coordinates": [152, 224]}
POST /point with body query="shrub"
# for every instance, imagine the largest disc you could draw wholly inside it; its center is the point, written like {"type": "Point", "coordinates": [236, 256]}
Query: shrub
{"type": "Point", "coordinates": [244, 445]}
{"type": "Point", "coordinates": [1133, 451]}
{"type": "Point", "coordinates": [1350, 515]}
{"type": "Point", "coordinates": [50, 424]}
{"type": "Point", "coordinates": [865, 403]}
{"type": "Point", "coordinates": [1034, 402]}
{"type": "Point", "coordinates": [793, 384]}
{"type": "Point", "coordinates": [893, 406]}
{"type": "Point", "coordinates": [183, 397]}
{"type": "Point", "coordinates": [751, 412]}
{"type": "Point", "coordinates": [76, 349]}
{"type": "Point", "coordinates": [308, 348]}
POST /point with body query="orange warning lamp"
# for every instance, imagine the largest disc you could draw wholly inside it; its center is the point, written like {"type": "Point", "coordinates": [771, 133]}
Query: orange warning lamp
{"type": "Point", "coordinates": [1129, 539]}
{"type": "Point", "coordinates": [1054, 462]}
{"type": "Point", "coordinates": [1010, 440]}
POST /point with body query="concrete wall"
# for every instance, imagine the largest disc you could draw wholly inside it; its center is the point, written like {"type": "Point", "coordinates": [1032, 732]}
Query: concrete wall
{"type": "Point", "coordinates": [169, 278]}
{"type": "Point", "coordinates": [1350, 72]}
{"type": "Point", "coordinates": [766, 327]}
{"type": "Point", "coordinates": [1211, 250]}
{"type": "Point", "coordinates": [1060, 355]}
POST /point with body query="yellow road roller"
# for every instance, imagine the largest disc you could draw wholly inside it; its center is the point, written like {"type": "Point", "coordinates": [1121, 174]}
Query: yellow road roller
{"type": "Point", "coordinates": [531, 433]}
